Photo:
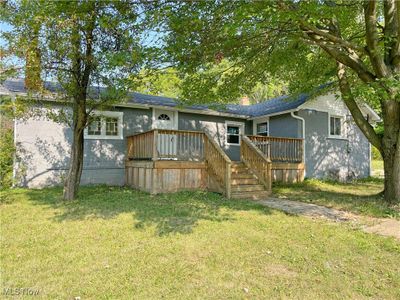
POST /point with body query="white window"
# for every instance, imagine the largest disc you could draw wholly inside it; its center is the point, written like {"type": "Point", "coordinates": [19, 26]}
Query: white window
{"type": "Point", "coordinates": [335, 126]}
{"type": "Point", "coordinates": [262, 129]}
{"type": "Point", "coordinates": [105, 125]}
{"type": "Point", "coordinates": [233, 132]}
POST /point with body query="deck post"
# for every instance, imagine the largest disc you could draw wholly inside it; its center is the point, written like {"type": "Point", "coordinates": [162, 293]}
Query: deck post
{"type": "Point", "coordinates": [228, 181]}
{"type": "Point", "coordinates": [155, 143]}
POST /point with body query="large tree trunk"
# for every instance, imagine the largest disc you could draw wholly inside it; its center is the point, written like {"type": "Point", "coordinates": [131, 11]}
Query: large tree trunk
{"type": "Point", "coordinates": [391, 150]}
{"type": "Point", "coordinates": [73, 179]}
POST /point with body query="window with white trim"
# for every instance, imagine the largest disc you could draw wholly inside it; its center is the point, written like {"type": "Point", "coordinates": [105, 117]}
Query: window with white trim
{"type": "Point", "coordinates": [233, 134]}
{"type": "Point", "coordinates": [262, 129]}
{"type": "Point", "coordinates": [105, 125]}
{"type": "Point", "coordinates": [335, 126]}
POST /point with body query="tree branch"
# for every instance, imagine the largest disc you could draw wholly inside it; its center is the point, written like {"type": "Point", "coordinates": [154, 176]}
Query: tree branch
{"type": "Point", "coordinates": [372, 38]}
{"type": "Point", "coordinates": [355, 111]}
{"type": "Point", "coordinates": [391, 32]}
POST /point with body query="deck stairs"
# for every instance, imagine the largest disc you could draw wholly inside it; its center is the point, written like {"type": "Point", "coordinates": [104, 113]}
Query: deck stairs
{"type": "Point", "coordinates": [245, 184]}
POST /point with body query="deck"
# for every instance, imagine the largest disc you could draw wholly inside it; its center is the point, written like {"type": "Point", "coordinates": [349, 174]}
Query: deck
{"type": "Point", "coordinates": [162, 160]}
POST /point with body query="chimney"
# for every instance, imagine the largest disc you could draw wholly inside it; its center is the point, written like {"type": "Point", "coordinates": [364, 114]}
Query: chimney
{"type": "Point", "coordinates": [245, 100]}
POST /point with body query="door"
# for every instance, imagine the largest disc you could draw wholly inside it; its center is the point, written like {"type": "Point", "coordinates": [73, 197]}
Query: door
{"type": "Point", "coordinates": [167, 142]}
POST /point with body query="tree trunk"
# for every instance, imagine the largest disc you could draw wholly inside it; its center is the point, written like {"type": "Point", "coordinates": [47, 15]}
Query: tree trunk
{"type": "Point", "coordinates": [391, 150]}
{"type": "Point", "coordinates": [73, 179]}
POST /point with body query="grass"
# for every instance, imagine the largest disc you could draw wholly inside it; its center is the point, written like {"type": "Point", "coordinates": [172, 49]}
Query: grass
{"type": "Point", "coordinates": [360, 196]}
{"type": "Point", "coordinates": [116, 243]}
{"type": "Point", "coordinates": [377, 168]}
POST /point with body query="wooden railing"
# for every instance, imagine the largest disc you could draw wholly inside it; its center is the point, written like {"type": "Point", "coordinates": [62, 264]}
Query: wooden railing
{"type": "Point", "coordinates": [279, 149]}
{"type": "Point", "coordinates": [256, 161]}
{"type": "Point", "coordinates": [141, 145]}
{"type": "Point", "coordinates": [218, 163]}
{"type": "Point", "coordinates": [166, 144]}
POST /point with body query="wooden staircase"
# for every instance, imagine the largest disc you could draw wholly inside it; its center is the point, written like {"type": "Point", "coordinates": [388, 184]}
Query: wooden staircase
{"type": "Point", "coordinates": [245, 184]}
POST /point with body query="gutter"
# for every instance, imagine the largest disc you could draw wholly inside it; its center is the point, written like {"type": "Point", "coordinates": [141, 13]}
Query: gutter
{"type": "Point", "coordinates": [303, 123]}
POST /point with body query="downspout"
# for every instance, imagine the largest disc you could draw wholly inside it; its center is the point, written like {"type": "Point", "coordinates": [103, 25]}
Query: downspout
{"type": "Point", "coordinates": [303, 123]}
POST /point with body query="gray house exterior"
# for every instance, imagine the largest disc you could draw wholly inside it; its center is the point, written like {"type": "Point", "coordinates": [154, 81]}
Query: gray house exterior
{"type": "Point", "coordinates": [43, 145]}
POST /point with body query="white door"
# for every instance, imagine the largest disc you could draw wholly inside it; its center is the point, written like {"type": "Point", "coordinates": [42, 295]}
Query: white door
{"type": "Point", "coordinates": [167, 142]}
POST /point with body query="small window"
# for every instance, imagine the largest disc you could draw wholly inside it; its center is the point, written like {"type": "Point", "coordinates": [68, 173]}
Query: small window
{"type": "Point", "coordinates": [262, 129]}
{"type": "Point", "coordinates": [164, 117]}
{"type": "Point", "coordinates": [335, 126]}
{"type": "Point", "coordinates": [94, 126]}
{"type": "Point", "coordinates": [112, 126]}
{"type": "Point", "coordinates": [233, 133]}
{"type": "Point", "coordinates": [105, 125]}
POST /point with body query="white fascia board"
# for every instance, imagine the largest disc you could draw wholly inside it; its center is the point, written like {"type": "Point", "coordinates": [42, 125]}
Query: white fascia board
{"type": "Point", "coordinates": [371, 111]}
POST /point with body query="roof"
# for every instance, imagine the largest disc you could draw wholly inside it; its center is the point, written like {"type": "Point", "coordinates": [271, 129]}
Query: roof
{"type": "Point", "coordinates": [271, 106]}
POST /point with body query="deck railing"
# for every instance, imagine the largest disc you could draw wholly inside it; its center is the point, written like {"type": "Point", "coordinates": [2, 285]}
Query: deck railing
{"type": "Point", "coordinates": [277, 149]}
{"type": "Point", "coordinates": [256, 161]}
{"type": "Point", "coordinates": [166, 144]}
{"type": "Point", "coordinates": [218, 163]}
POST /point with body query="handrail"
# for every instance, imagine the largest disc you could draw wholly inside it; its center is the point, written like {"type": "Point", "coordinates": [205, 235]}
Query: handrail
{"type": "Point", "coordinates": [256, 161]}
{"type": "Point", "coordinates": [218, 163]}
{"type": "Point", "coordinates": [279, 149]}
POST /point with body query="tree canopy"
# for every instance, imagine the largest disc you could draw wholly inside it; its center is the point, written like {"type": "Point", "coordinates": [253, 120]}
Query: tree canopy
{"type": "Point", "coordinates": [225, 48]}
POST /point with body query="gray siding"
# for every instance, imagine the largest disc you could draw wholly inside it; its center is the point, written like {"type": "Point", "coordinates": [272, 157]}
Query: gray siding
{"type": "Point", "coordinates": [43, 151]}
{"type": "Point", "coordinates": [285, 126]}
{"type": "Point", "coordinates": [331, 157]}
{"type": "Point", "coordinates": [215, 126]}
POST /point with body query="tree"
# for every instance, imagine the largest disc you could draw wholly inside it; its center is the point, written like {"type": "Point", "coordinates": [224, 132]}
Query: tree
{"type": "Point", "coordinates": [158, 82]}
{"type": "Point", "coordinates": [355, 45]}
{"type": "Point", "coordinates": [79, 45]}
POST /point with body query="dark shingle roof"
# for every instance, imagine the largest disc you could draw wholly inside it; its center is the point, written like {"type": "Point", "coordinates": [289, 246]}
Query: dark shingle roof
{"type": "Point", "coordinates": [271, 106]}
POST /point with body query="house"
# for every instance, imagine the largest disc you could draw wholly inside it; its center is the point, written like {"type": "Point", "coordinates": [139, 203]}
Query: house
{"type": "Point", "coordinates": [152, 143]}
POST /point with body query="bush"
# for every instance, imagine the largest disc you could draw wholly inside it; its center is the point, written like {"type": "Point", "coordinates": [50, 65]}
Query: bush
{"type": "Point", "coordinates": [376, 155]}
{"type": "Point", "coordinates": [7, 150]}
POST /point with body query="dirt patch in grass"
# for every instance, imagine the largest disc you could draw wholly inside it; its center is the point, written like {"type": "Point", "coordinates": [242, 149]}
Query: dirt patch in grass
{"type": "Point", "coordinates": [279, 270]}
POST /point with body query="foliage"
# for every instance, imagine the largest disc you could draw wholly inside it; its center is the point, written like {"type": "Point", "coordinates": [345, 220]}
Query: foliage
{"type": "Point", "coordinates": [376, 155]}
{"type": "Point", "coordinates": [162, 83]}
{"type": "Point", "coordinates": [117, 242]}
{"type": "Point", "coordinates": [7, 152]}
{"type": "Point", "coordinates": [265, 91]}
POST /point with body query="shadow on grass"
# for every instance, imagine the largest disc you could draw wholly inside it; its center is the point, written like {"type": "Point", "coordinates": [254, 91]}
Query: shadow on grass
{"type": "Point", "coordinates": [170, 213]}
{"type": "Point", "coordinates": [360, 196]}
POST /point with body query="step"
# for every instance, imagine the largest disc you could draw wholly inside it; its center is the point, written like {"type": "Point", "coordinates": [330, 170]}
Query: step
{"type": "Point", "coordinates": [244, 171]}
{"type": "Point", "coordinates": [242, 176]}
{"type": "Point", "coordinates": [247, 188]}
{"type": "Point", "coordinates": [251, 195]}
{"type": "Point", "coordinates": [240, 181]}
{"type": "Point", "coordinates": [239, 167]}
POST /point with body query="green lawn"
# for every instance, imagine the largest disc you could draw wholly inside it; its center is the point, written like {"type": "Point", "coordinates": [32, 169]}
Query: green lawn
{"type": "Point", "coordinates": [116, 243]}
{"type": "Point", "coordinates": [377, 168]}
{"type": "Point", "coordinates": [360, 196]}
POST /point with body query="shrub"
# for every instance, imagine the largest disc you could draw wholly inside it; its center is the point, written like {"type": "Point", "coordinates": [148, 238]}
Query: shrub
{"type": "Point", "coordinates": [376, 155]}
{"type": "Point", "coordinates": [7, 150]}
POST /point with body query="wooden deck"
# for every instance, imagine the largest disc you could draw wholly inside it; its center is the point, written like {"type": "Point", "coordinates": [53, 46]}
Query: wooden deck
{"type": "Point", "coordinates": [160, 161]}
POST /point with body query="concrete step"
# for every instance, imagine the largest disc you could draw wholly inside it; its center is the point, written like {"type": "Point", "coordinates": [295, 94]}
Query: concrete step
{"type": "Point", "coordinates": [247, 188]}
{"type": "Point", "coordinates": [251, 195]}
{"type": "Point", "coordinates": [240, 181]}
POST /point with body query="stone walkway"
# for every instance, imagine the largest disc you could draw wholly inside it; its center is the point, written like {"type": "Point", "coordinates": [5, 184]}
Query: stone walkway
{"type": "Point", "coordinates": [385, 227]}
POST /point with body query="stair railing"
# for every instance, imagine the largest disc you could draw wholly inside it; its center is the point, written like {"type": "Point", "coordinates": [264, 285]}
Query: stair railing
{"type": "Point", "coordinates": [256, 161]}
{"type": "Point", "coordinates": [218, 163]}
